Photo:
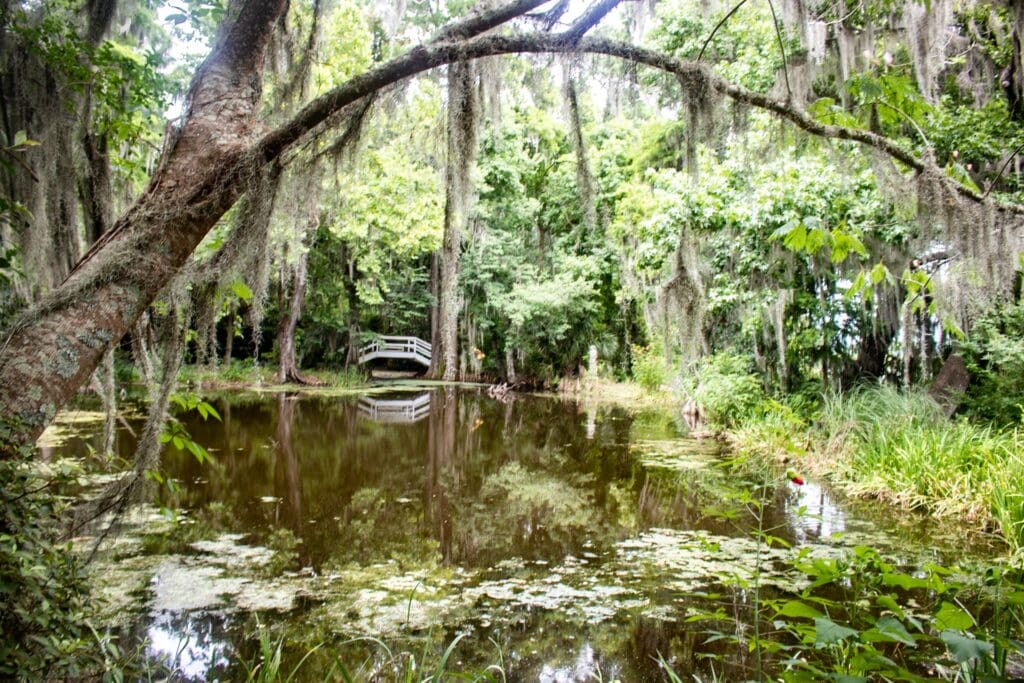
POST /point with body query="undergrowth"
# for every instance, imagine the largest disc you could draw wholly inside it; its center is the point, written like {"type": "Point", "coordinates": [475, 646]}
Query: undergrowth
{"type": "Point", "coordinates": [876, 442]}
{"type": "Point", "coordinates": [899, 447]}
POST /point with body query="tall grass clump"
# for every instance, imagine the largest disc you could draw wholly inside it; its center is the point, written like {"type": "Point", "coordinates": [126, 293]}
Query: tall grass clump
{"type": "Point", "coordinates": [899, 446]}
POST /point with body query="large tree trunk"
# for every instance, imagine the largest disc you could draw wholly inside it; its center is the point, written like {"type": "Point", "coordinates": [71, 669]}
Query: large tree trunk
{"type": "Point", "coordinates": [53, 350]}
{"type": "Point", "coordinates": [435, 315]}
{"type": "Point", "coordinates": [288, 369]}
{"type": "Point", "coordinates": [463, 118]}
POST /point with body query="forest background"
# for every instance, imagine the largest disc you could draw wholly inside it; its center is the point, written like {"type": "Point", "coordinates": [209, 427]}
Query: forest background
{"type": "Point", "coordinates": [798, 199]}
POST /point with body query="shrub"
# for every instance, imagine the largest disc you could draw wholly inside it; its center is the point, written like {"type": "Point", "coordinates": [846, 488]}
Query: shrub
{"type": "Point", "coordinates": [994, 354]}
{"type": "Point", "coordinates": [45, 631]}
{"type": "Point", "coordinates": [725, 388]}
{"type": "Point", "coordinates": [649, 369]}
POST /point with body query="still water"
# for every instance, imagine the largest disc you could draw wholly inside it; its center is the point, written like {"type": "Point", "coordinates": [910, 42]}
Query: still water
{"type": "Point", "coordinates": [567, 542]}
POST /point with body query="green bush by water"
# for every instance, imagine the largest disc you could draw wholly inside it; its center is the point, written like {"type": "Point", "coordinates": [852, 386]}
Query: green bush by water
{"type": "Point", "coordinates": [726, 388]}
{"type": "Point", "coordinates": [649, 368]}
{"type": "Point", "coordinates": [994, 354]}
{"type": "Point", "coordinates": [898, 446]}
{"type": "Point", "coordinates": [45, 607]}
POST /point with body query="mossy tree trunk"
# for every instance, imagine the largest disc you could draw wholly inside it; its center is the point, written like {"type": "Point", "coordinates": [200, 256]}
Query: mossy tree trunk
{"type": "Point", "coordinates": [463, 122]}
{"type": "Point", "coordinates": [54, 349]}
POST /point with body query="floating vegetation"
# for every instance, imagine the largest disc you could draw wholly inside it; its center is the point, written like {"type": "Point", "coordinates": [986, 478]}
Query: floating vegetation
{"type": "Point", "coordinates": [677, 454]}
{"type": "Point", "coordinates": [69, 424]}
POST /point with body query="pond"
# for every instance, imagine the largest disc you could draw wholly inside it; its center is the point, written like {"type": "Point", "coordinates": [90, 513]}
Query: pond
{"type": "Point", "coordinates": [565, 541]}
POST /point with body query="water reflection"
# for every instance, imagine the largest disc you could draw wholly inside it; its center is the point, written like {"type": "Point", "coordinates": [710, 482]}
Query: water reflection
{"type": "Point", "coordinates": [585, 668]}
{"type": "Point", "coordinates": [533, 520]}
{"type": "Point", "coordinates": [400, 410]}
{"type": "Point", "coordinates": [812, 514]}
{"type": "Point", "coordinates": [190, 646]}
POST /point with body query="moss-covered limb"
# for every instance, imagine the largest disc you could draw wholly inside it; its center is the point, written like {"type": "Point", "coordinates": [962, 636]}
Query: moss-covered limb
{"type": "Point", "coordinates": [53, 350]}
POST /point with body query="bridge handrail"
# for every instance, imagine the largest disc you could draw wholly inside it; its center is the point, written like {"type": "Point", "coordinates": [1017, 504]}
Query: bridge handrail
{"type": "Point", "coordinates": [396, 346]}
{"type": "Point", "coordinates": [397, 343]}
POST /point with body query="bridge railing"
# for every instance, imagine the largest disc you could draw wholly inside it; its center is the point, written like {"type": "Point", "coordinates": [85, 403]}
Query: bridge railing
{"type": "Point", "coordinates": [385, 345]}
{"type": "Point", "coordinates": [396, 410]}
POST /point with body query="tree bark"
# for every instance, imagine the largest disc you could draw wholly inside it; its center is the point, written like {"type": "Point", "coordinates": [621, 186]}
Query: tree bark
{"type": "Point", "coordinates": [585, 183]}
{"type": "Point", "coordinates": [288, 369]}
{"type": "Point", "coordinates": [1012, 78]}
{"type": "Point", "coordinates": [95, 189]}
{"type": "Point", "coordinates": [229, 333]}
{"type": "Point", "coordinates": [463, 119]}
{"type": "Point", "coordinates": [435, 314]}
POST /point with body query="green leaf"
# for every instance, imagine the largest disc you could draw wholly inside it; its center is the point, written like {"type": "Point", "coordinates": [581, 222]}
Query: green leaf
{"type": "Point", "coordinates": [888, 630]}
{"type": "Point", "coordinates": [126, 52]}
{"type": "Point", "coordinates": [905, 582]}
{"type": "Point", "coordinates": [795, 608]}
{"type": "Point", "coordinates": [878, 273]}
{"type": "Point", "coordinates": [827, 632]}
{"type": "Point", "coordinates": [210, 410]}
{"type": "Point", "coordinates": [965, 648]}
{"type": "Point", "coordinates": [241, 290]}
{"type": "Point", "coordinates": [949, 616]}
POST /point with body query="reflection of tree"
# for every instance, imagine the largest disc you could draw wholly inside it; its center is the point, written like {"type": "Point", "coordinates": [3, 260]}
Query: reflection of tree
{"type": "Point", "coordinates": [191, 647]}
{"type": "Point", "coordinates": [437, 513]}
{"type": "Point", "coordinates": [287, 471]}
{"type": "Point", "coordinates": [477, 482]}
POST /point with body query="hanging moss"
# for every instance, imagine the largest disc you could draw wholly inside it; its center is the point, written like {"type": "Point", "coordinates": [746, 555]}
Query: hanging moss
{"type": "Point", "coordinates": [700, 100]}
{"type": "Point", "coordinates": [585, 183]}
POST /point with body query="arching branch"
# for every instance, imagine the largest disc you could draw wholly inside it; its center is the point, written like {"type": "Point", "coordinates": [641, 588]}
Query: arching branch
{"type": "Point", "coordinates": [425, 57]}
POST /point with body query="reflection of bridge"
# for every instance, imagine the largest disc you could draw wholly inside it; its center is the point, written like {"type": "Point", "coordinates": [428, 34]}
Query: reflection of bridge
{"type": "Point", "coordinates": [395, 410]}
{"type": "Point", "coordinates": [409, 348]}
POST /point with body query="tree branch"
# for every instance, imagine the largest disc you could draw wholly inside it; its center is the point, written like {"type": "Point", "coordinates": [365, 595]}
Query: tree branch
{"type": "Point", "coordinates": [594, 14]}
{"type": "Point", "coordinates": [480, 20]}
{"type": "Point", "coordinates": [720, 24]}
{"type": "Point", "coordinates": [426, 57]}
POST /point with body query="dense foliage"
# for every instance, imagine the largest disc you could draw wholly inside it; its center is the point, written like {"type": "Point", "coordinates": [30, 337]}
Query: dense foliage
{"type": "Point", "coordinates": [45, 603]}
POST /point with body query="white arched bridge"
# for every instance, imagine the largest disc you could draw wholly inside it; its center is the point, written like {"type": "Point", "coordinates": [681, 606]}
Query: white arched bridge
{"type": "Point", "coordinates": [407, 348]}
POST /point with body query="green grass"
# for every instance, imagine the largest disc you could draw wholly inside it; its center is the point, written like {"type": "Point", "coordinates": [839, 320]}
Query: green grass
{"type": "Point", "coordinates": [899, 447]}
{"type": "Point", "coordinates": [246, 373]}
{"type": "Point", "coordinates": [384, 663]}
